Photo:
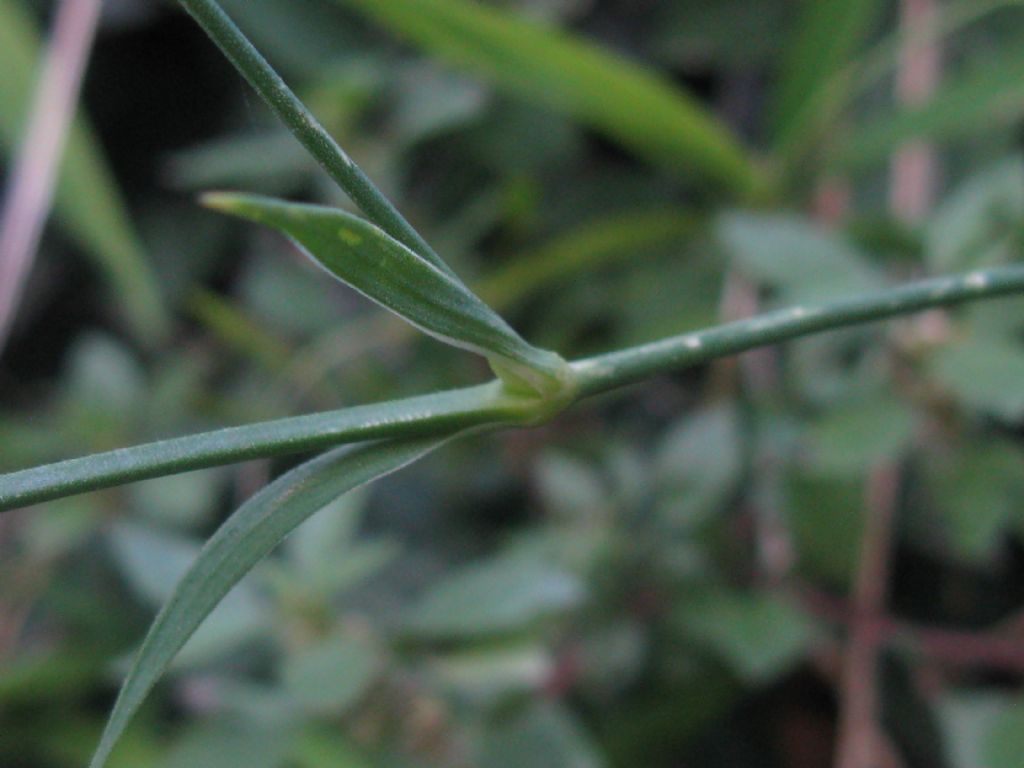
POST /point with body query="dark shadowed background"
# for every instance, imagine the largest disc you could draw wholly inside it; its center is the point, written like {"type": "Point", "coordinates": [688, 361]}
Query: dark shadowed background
{"type": "Point", "coordinates": [779, 560]}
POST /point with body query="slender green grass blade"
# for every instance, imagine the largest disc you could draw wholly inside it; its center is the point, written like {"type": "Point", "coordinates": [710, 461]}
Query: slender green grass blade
{"type": "Point", "coordinates": [985, 97]}
{"type": "Point", "coordinates": [584, 250]}
{"type": "Point", "coordinates": [827, 35]}
{"type": "Point", "coordinates": [236, 330]}
{"type": "Point", "coordinates": [382, 269]}
{"type": "Point", "coordinates": [238, 545]}
{"type": "Point", "coordinates": [623, 100]}
{"type": "Point", "coordinates": [868, 69]}
{"type": "Point", "coordinates": [87, 200]}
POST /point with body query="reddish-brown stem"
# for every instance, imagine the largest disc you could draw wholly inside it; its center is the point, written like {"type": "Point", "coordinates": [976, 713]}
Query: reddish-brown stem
{"type": "Point", "coordinates": [859, 740]}
{"type": "Point", "coordinates": [757, 372]}
{"type": "Point", "coordinates": [994, 649]}
{"type": "Point", "coordinates": [31, 187]}
{"type": "Point", "coordinates": [914, 167]}
{"type": "Point", "coordinates": [912, 183]}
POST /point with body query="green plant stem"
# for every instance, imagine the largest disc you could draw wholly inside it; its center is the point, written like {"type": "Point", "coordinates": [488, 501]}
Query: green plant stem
{"type": "Point", "coordinates": [305, 127]}
{"type": "Point", "coordinates": [489, 404]}
{"type": "Point", "coordinates": [612, 370]}
{"type": "Point", "coordinates": [435, 414]}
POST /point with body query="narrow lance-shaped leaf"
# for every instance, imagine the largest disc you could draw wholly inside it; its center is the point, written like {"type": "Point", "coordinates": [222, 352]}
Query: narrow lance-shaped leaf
{"type": "Point", "coordinates": [381, 268]}
{"type": "Point", "coordinates": [582, 251]}
{"type": "Point", "coordinates": [306, 128]}
{"type": "Point", "coordinates": [237, 546]}
{"type": "Point", "coordinates": [86, 198]}
{"type": "Point", "coordinates": [628, 103]}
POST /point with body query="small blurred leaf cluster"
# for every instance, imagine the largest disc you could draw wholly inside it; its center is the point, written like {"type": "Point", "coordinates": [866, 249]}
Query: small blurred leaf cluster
{"type": "Point", "coordinates": [661, 579]}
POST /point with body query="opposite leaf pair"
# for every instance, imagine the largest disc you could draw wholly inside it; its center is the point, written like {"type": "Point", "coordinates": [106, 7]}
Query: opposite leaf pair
{"type": "Point", "coordinates": [427, 295]}
{"type": "Point", "coordinates": [422, 291]}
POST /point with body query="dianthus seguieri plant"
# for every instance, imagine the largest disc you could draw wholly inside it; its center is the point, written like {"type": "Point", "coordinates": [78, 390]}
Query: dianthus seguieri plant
{"type": "Point", "coordinates": [386, 259]}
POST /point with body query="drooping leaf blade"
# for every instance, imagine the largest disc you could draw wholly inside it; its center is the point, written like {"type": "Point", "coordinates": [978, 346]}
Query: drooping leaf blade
{"type": "Point", "coordinates": [625, 101]}
{"type": "Point", "coordinates": [86, 200]}
{"type": "Point", "coordinates": [385, 271]}
{"type": "Point", "coordinates": [153, 561]}
{"type": "Point", "coordinates": [237, 546]}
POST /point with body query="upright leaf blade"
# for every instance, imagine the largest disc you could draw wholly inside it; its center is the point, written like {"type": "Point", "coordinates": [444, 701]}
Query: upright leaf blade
{"type": "Point", "coordinates": [86, 198]}
{"type": "Point", "coordinates": [584, 250]}
{"type": "Point", "coordinates": [827, 34]}
{"type": "Point", "coordinates": [382, 269]}
{"type": "Point", "coordinates": [237, 546]}
{"type": "Point", "coordinates": [623, 100]}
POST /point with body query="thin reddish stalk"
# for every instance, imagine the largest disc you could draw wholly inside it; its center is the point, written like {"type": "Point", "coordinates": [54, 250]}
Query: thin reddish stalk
{"type": "Point", "coordinates": [861, 743]}
{"type": "Point", "coordinates": [30, 190]}
{"type": "Point", "coordinates": [859, 738]}
{"type": "Point", "coordinates": [997, 649]}
{"type": "Point", "coordinates": [756, 372]}
{"type": "Point", "coordinates": [915, 167]}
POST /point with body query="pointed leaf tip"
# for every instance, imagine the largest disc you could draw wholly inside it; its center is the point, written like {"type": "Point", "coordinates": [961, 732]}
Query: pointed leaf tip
{"type": "Point", "coordinates": [237, 546]}
{"type": "Point", "coordinates": [390, 274]}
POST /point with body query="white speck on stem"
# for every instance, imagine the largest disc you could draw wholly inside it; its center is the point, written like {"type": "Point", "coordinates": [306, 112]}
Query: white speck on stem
{"type": "Point", "coordinates": [977, 280]}
{"type": "Point", "coordinates": [595, 368]}
{"type": "Point", "coordinates": [693, 342]}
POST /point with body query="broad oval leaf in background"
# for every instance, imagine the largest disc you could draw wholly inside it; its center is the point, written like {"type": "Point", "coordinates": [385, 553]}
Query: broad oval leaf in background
{"type": "Point", "coordinates": [86, 198]}
{"type": "Point", "coordinates": [805, 262]}
{"type": "Point", "coordinates": [331, 676]}
{"type": "Point", "coordinates": [628, 103]}
{"type": "Point", "coordinates": [237, 546]}
{"type": "Point", "coordinates": [382, 269]}
{"type": "Point", "coordinates": [464, 604]}
{"type": "Point", "coordinates": [979, 221]}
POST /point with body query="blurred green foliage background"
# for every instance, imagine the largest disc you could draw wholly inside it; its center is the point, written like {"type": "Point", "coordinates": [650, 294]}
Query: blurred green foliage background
{"type": "Point", "coordinates": [665, 577]}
